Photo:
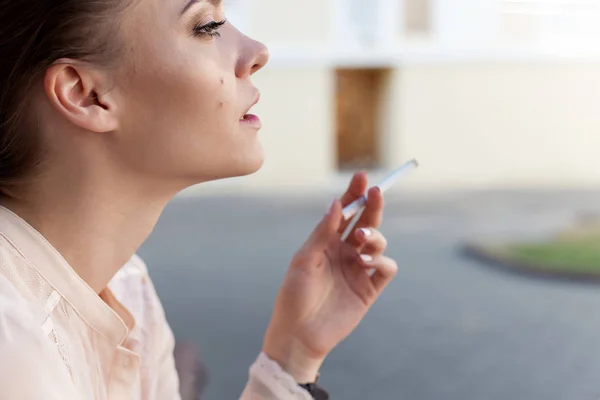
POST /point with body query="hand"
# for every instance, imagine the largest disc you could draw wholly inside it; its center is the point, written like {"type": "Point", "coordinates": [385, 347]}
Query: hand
{"type": "Point", "coordinates": [330, 286]}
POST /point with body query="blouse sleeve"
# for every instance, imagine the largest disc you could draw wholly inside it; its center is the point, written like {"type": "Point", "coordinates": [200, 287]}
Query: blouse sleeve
{"type": "Point", "coordinates": [267, 381]}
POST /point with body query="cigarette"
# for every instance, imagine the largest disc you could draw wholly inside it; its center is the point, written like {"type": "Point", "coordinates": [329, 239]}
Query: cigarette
{"type": "Point", "coordinates": [354, 207]}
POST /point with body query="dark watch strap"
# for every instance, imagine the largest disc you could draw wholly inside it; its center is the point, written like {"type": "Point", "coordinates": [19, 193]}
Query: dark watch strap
{"type": "Point", "coordinates": [317, 392]}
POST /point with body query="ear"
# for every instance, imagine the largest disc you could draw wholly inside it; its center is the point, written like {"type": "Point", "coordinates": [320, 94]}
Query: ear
{"type": "Point", "coordinates": [81, 95]}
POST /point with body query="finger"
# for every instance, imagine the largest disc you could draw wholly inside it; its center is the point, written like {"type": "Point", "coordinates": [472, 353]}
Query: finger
{"type": "Point", "coordinates": [385, 270]}
{"type": "Point", "coordinates": [374, 209]}
{"type": "Point", "coordinates": [356, 188]}
{"type": "Point", "coordinates": [371, 217]}
{"type": "Point", "coordinates": [326, 230]}
{"type": "Point", "coordinates": [371, 241]}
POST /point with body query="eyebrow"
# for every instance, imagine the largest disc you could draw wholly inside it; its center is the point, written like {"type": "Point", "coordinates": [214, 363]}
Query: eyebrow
{"type": "Point", "coordinates": [216, 3]}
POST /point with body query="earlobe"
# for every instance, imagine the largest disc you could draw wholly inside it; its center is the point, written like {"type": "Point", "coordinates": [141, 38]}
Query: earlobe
{"type": "Point", "coordinates": [76, 93]}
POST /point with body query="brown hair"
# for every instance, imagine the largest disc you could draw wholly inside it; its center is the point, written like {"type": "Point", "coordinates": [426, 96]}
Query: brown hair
{"type": "Point", "coordinates": [33, 35]}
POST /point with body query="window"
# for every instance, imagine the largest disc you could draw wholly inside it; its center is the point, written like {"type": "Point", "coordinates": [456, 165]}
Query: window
{"type": "Point", "coordinates": [417, 17]}
{"type": "Point", "coordinates": [555, 24]}
{"type": "Point", "coordinates": [356, 23]}
{"type": "Point", "coordinates": [365, 24]}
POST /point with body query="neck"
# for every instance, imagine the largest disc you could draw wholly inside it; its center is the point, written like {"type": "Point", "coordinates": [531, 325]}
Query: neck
{"type": "Point", "coordinates": [96, 227]}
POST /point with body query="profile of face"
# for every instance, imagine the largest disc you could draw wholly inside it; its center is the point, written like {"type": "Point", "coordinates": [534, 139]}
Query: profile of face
{"type": "Point", "coordinates": [176, 106]}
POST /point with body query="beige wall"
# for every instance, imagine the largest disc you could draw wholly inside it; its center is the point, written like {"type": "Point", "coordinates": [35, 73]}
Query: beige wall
{"type": "Point", "coordinates": [489, 125]}
{"type": "Point", "coordinates": [472, 125]}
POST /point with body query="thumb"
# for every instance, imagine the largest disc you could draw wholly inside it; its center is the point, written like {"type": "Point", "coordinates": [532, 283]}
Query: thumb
{"type": "Point", "coordinates": [327, 228]}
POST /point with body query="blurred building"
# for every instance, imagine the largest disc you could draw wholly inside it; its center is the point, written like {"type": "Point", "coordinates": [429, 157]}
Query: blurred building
{"type": "Point", "coordinates": [484, 93]}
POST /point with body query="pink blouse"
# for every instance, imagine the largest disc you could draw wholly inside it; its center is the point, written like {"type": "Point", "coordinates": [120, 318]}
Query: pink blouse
{"type": "Point", "coordinates": [61, 340]}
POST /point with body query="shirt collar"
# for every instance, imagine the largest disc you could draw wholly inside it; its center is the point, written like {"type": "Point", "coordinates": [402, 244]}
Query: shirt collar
{"type": "Point", "coordinates": [51, 265]}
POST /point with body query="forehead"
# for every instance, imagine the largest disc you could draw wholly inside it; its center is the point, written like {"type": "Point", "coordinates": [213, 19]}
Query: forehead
{"type": "Point", "coordinates": [189, 3]}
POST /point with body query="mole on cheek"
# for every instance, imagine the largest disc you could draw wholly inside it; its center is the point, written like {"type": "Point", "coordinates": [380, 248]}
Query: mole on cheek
{"type": "Point", "coordinates": [222, 103]}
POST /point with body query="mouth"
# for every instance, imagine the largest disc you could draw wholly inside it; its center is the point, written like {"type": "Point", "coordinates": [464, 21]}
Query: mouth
{"type": "Point", "coordinates": [256, 100]}
{"type": "Point", "coordinates": [248, 117]}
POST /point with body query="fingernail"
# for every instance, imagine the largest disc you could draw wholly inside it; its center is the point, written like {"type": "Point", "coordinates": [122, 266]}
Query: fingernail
{"type": "Point", "coordinates": [366, 257]}
{"type": "Point", "coordinates": [366, 232]}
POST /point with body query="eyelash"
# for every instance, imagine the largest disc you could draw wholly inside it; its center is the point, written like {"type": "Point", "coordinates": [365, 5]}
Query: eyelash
{"type": "Point", "coordinates": [211, 29]}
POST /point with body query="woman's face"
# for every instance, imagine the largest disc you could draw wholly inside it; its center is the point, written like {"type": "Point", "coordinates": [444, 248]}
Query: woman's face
{"type": "Point", "coordinates": [184, 92]}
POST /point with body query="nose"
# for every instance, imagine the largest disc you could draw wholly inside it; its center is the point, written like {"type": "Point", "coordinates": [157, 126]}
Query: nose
{"type": "Point", "coordinates": [253, 56]}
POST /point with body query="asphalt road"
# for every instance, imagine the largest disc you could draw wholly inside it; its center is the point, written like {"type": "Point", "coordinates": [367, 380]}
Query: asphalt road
{"type": "Point", "coordinates": [446, 328]}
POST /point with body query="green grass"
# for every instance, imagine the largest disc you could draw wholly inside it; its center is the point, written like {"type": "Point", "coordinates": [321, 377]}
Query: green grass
{"type": "Point", "coordinates": [574, 256]}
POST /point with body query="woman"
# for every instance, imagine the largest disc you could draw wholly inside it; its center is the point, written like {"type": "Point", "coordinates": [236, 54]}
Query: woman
{"type": "Point", "coordinates": [107, 110]}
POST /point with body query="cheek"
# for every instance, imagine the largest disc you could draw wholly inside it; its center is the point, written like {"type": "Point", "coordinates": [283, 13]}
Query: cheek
{"type": "Point", "coordinates": [203, 94]}
{"type": "Point", "coordinates": [177, 100]}
{"type": "Point", "coordinates": [178, 81]}
{"type": "Point", "coordinates": [226, 94]}
{"type": "Point", "coordinates": [182, 99]}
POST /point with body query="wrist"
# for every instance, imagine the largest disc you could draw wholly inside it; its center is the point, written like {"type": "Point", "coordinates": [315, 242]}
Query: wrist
{"type": "Point", "coordinates": [296, 361]}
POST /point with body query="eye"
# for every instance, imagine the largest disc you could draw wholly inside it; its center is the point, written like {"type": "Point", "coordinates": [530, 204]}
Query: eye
{"type": "Point", "coordinates": [211, 29]}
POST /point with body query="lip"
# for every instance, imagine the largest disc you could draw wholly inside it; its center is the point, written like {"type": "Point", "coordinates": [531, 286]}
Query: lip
{"type": "Point", "coordinates": [256, 100]}
{"type": "Point", "coordinates": [251, 119]}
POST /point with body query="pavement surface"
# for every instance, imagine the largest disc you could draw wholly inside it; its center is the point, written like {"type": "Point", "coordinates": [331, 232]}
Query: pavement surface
{"type": "Point", "coordinates": [447, 328]}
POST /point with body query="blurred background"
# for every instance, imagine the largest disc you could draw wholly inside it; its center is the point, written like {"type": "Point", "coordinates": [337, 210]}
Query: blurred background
{"type": "Point", "coordinates": [496, 233]}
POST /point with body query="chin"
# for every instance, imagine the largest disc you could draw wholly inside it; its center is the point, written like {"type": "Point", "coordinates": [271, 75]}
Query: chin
{"type": "Point", "coordinates": [242, 167]}
{"type": "Point", "coordinates": [246, 164]}
{"type": "Point", "coordinates": [252, 167]}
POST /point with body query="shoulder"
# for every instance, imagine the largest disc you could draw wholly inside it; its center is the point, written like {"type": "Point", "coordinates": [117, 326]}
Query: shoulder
{"type": "Point", "coordinates": [27, 352]}
{"type": "Point", "coordinates": [21, 315]}
{"type": "Point", "coordinates": [15, 312]}
{"type": "Point", "coordinates": [10, 257]}
{"type": "Point", "coordinates": [20, 320]}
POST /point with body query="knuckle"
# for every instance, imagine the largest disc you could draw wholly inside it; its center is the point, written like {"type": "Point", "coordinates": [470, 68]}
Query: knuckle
{"type": "Point", "coordinates": [301, 256]}
{"type": "Point", "coordinates": [371, 292]}
{"type": "Point", "coordinates": [392, 266]}
{"type": "Point", "coordinates": [378, 239]}
{"type": "Point", "coordinates": [383, 242]}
